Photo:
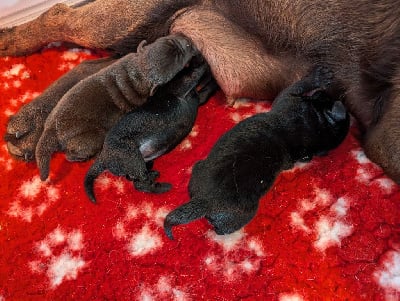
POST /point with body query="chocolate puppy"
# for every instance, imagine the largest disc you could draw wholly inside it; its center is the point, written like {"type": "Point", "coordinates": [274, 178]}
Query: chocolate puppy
{"type": "Point", "coordinates": [225, 188]}
{"type": "Point", "coordinates": [81, 119]}
{"type": "Point", "coordinates": [152, 130]}
{"type": "Point", "coordinates": [25, 128]}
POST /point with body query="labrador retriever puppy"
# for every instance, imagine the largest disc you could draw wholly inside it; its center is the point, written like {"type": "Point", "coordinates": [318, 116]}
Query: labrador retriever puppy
{"type": "Point", "coordinates": [226, 187]}
{"type": "Point", "coordinates": [153, 130]}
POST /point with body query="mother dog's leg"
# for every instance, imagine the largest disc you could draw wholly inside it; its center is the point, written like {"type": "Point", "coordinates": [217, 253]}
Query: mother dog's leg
{"type": "Point", "coordinates": [382, 141]}
{"type": "Point", "coordinates": [25, 128]}
{"type": "Point", "coordinates": [238, 61]}
{"type": "Point", "coordinates": [97, 24]}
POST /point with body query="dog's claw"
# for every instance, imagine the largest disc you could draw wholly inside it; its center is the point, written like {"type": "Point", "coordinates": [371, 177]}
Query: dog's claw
{"type": "Point", "coordinates": [28, 156]}
{"type": "Point", "coordinates": [14, 150]}
{"type": "Point", "coordinates": [18, 135]}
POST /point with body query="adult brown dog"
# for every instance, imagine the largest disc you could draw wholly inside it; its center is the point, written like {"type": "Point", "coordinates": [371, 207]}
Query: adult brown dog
{"type": "Point", "coordinates": [255, 48]}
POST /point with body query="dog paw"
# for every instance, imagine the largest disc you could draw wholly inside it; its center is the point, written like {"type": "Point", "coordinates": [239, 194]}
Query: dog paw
{"type": "Point", "coordinates": [24, 130]}
{"type": "Point", "coordinates": [153, 175]}
{"type": "Point", "coordinates": [152, 187]}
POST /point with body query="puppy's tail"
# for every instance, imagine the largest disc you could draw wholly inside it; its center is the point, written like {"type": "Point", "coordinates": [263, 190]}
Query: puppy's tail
{"type": "Point", "coordinates": [94, 171]}
{"type": "Point", "coordinates": [47, 145]}
{"type": "Point", "coordinates": [184, 214]}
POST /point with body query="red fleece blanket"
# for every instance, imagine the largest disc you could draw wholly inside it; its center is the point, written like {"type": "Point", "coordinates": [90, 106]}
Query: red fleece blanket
{"type": "Point", "coordinates": [326, 230]}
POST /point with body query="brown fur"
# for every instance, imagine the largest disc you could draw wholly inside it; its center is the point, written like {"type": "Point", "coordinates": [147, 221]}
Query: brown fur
{"type": "Point", "coordinates": [25, 128]}
{"type": "Point", "coordinates": [81, 119]}
{"type": "Point", "coordinates": [252, 45]}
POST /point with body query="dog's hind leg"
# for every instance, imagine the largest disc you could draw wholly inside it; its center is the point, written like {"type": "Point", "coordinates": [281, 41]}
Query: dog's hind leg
{"type": "Point", "coordinates": [382, 141]}
{"type": "Point", "coordinates": [97, 24]}
{"type": "Point", "coordinates": [25, 128]}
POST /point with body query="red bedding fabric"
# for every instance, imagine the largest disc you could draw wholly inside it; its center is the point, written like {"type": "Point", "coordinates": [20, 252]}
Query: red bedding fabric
{"type": "Point", "coordinates": [327, 230]}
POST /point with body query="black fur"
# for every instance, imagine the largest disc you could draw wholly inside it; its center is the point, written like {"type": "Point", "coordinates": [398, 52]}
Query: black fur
{"type": "Point", "coordinates": [152, 130]}
{"type": "Point", "coordinates": [225, 188]}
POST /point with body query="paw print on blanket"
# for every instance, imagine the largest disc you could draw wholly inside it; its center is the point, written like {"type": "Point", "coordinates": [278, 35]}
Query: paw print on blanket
{"type": "Point", "coordinates": [233, 255]}
{"type": "Point", "coordinates": [244, 108]}
{"type": "Point", "coordinates": [388, 275]}
{"type": "Point", "coordinates": [59, 256]}
{"type": "Point", "coordinates": [72, 57]}
{"type": "Point", "coordinates": [323, 219]}
{"type": "Point", "coordinates": [6, 161]}
{"type": "Point", "coordinates": [164, 289]}
{"type": "Point", "coordinates": [186, 144]}
{"type": "Point", "coordinates": [369, 173]}
{"type": "Point", "coordinates": [149, 238]}
{"type": "Point", "coordinates": [13, 76]}
{"type": "Point", "coordinates": [34, 197]}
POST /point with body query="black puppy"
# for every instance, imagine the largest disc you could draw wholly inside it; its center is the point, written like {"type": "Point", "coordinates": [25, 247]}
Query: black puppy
{"type": "Point", "coordinates": [153, 129]}
{"type": "Point", "coordinates": [225, 188]}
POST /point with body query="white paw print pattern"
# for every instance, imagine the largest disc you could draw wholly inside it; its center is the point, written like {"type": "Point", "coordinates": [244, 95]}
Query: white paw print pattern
{"type": "Point", "coordinates": [246, 108]}
{"type": "Point", "coordinates": [226, 263]}
{"type": "Point", "coordinates": [331, 227]}
{"type": "Point", "coordinates": [59, 256]}
{"type": "Point", "coordinates": [33, 199]}
{"type": "Point", "coordinates": [13, 78]}
{"type": "Point", "coordinates": [186, 144]}
{"type": "Point", "coordinates": [5, 160]}
{"type": "Point", "coordinates": [15, 103]}
{"type": "Point", "coordinates": [17, 71]}
{"type": "Point", "coordinates": [163, 290]}
{"type": "Point", "coordinates": [106, 181]}
{"type": "Point", "coordinates": [370, 174]}
{"type": "Point", "coordinates": [146, 240]}
{"type": "Point", "coordinates": [290, 297]}
{"type": "Point", "coordinates": [388, 276]}
{"type": "Point", "coordinates": [72, 57]}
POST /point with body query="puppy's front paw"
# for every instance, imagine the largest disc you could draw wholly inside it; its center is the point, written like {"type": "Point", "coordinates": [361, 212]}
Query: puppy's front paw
{"type": "Point", "coordinates": [24, 130]}
{"type": "Point", "coordinates": [152, 187]}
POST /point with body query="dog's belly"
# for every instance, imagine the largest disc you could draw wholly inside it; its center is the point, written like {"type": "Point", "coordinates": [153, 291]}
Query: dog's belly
{"type": "Point", "coordinates": [240, 64]}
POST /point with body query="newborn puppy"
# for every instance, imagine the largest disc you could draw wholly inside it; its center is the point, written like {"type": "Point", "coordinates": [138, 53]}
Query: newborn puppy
{"type": "Point", "coordinates": [81, 119]}
{"type": "Point", "coordinates": [152, 130]}
{"type": "Point", "coordinates": [225, 188]}
{"type": "Point", "coordinates": [25, 128]}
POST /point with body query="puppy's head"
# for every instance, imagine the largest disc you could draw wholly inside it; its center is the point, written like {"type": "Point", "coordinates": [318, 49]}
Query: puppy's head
{"type": "Point", "coordinates": [334, 121]}
{"type": "Point", "coordinates": [166, 57]}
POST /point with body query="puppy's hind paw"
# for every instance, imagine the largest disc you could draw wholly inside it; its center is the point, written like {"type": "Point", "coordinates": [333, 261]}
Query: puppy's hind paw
{"type": "Point", "coordinates": [154, 187]}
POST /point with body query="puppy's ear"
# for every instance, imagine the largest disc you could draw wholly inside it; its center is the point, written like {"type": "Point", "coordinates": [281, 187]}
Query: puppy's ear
{"type": "Point", "coordinates": [141, 46]}
{"type": "Point", "coordinates": [184, 214]}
